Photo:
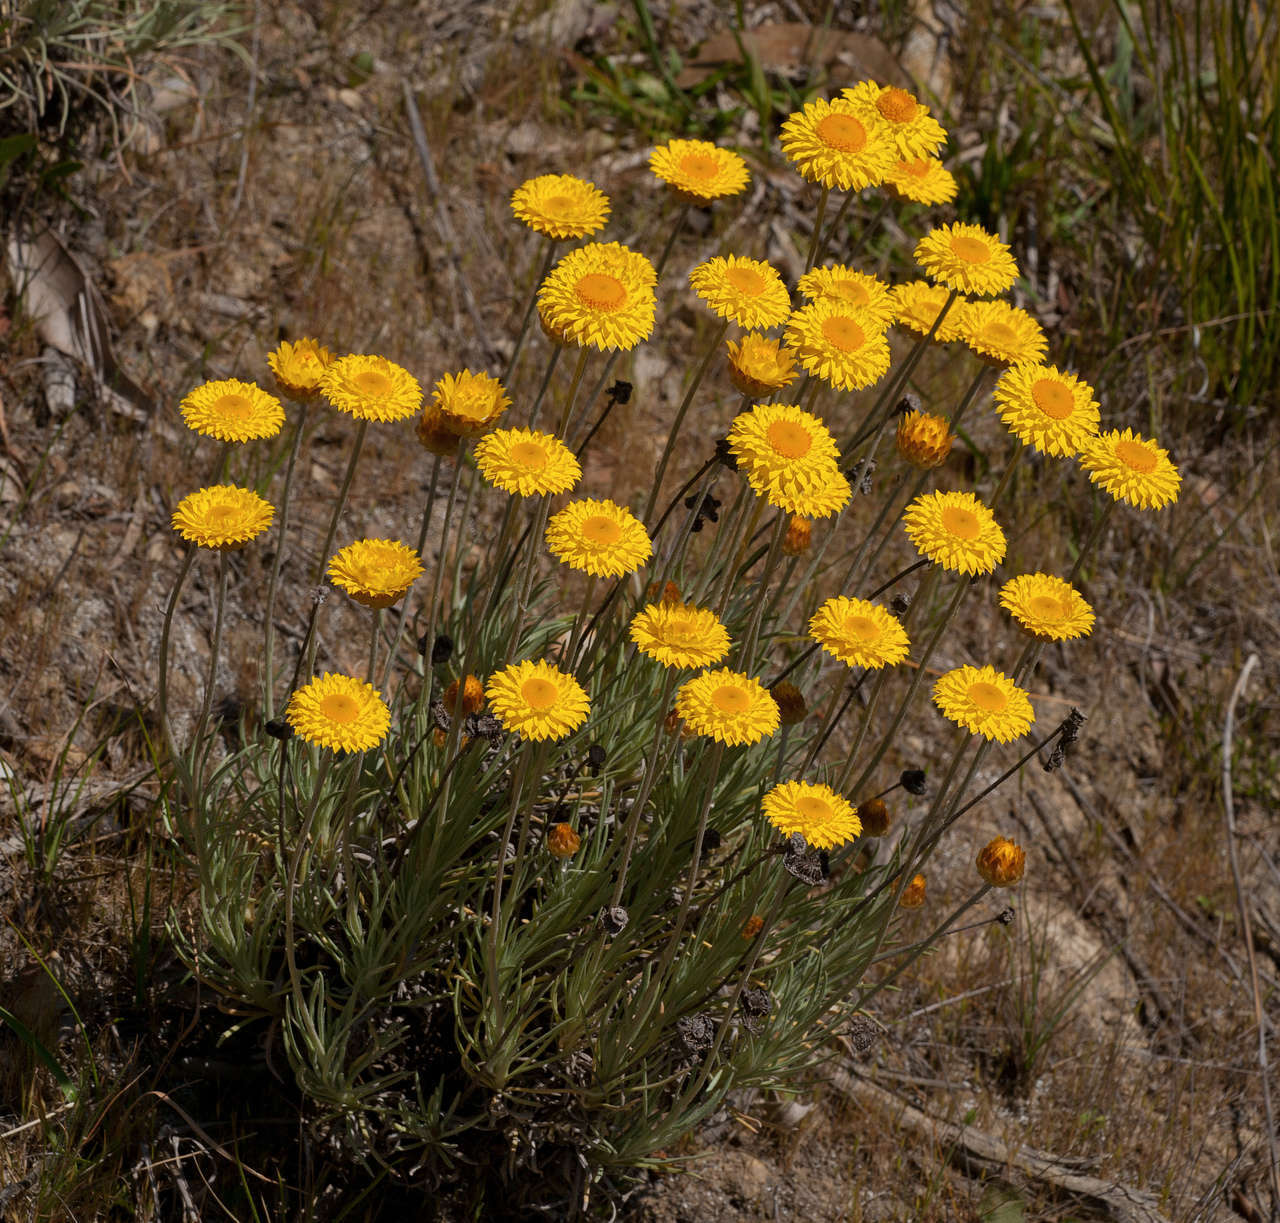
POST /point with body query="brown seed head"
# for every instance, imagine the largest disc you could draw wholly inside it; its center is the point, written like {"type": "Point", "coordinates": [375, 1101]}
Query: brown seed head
{"type": "Point", "coordinates": [1001, 863]}
{"type": "Point", "coordinates": [913, 894]}
{"type": "Point", "coordinates": [874, 814]}
{"type": "Point", "coordinates": [924, 440]}
{"type": "Point", "coordinates": [562, 841]}
{"type": "Point", "coordinates": [790, 701]}
{"type": "Point", "coordinates": [798, 537]}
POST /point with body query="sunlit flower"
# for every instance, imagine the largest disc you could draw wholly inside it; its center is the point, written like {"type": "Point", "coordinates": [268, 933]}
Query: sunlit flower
{"type": "Point", "coordinates": [817, 496]}
{"type": "Point", "coordinates": [985, 702]}
{"type": "Point", "coordinates": [760, 366]}
{"type": "Point", "coordinates": [842, 344]}
{"type": "Point", "coordinates": [469, 403]}
{"type": "Point", "coordinates": [956, 531]}
{"type": "Point", "coordinates": [924, 440]}
{"type": "Point", "coordinates": [727, 706]}
{"type": "Point", "coordinates": [824, 818]}
{"type": "Point", "coordinates": [698, 171]}
{"type": "Point", "coordinates": [340, 713]}
{"type": "Point", "coordinates": [222, 516]}
{"type": "Point", "coordinates": [298, 367]}
{"type": "Point", "coordinates": [842, 146]}
{"type": "Point", "coordinates": [859, 633]}
{"type": "Point", "coordinates": [371, 388]}
{"type": "Point", "coordinates": [915, 132]}
{"type": "Point", "coordinates": [748, 292]}
{"type": "Point", "coordinates": [526, 463]}
{"type": "Point", "coordinates": [1047, 607]}
{"type": "Point", "coordinates": [537, 701]}
{"type": "Point", "coordinates": [1001, 863]}
{"type": "Point", "coordinates": [918, 304]}
{"type": "Point", "coordinates": [1001, 334]}
{"type": "Point", "coordinates": [772, 440]}
{"type": "Point", "coordinates": [560, 205]}
{"type": "Point", "coordinates": [1045, 408]}
{"type": "Point", "coordinates": [680, 635]}
{"type": "Point", "coordinates": [600, 294]}
{"type": "Point", "coordinates": [598, 537]}
{"type": "Point", "coordinates": [967, 258]}
{"type": "Point", "coordinates": [1131, 468]}
{"type": "Point", "coordinates": [868, 293]}
{"type": "Point", "coordinates": [921, 180]}
{"type": "Point", "coordinates": [232, 411]}
{"type": "Point", "coordinates": [375, 572]}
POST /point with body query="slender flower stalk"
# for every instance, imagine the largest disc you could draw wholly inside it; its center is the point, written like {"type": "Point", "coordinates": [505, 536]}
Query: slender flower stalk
{"type": "Point", "coordinates": [527, 315]}
{"type": "Point", "coordinates": [747, 654]}
{"type": "Point", "coordinates": [340, 504]}
{"type": "Point", "coordinates": [162, 687]}
{"type": "Point", "coordinates": [437, 578]}
{"type": "Point", "coordinates": [815, 238]}
{"type": "Point", "coordinates": [277, 561]}
{"type": "Point", "coordinates": [423, 530]}
{"type": "Point", "coordinates": [676, 230]}
{"type": "Point", "coordinates": [556, 351]}
{"type": "Point", "coordinates": [562, 429]}
{"type": "Point", "coordinates": [579, 622]}
{"type": "Point", "coordinates": [215, 650]}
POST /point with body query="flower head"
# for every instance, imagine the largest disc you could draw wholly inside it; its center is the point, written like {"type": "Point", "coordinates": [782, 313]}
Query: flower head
{"type": "Point", "coordinates": [1047, 607]}
{"type": "Point", "coordinates": [680, 635]}
{"type": "Point", "coordinates": [434, 433]}
{"type": "Point", "coordinates": [563, 841]}
{"type": "Point", "coordinates": [537, 701]}
{"type": "Point", "coordinates": [760, 366]}
{"type": "Point", "coordinates": [1131, 468]}
{"type": "Point", "coordinates": [600, 294]}
{"type": "Point", "coordinates": [340, 713]}
{"type": "Point", "coordinates": [924, 440]}
{"type": "Point", "coordinates": [1045, 408]}
{"type": "Point", "coordinates": [799, 537]}
{"type": "Point", "coordinates": [1001, 334]}
{"type": "Point", "coordinates": [956, 531]}
{"type": "Point", "coordinates": [874, 814]}
{"type": "Point", "coordinates": [745, 291]}
{"type": "Point", "coordinates": [1001, 862]}
{"type": "Point", "coordinates": [842, 146]}
{"type": "Point", "coordinates": [843, 345]}
{"type": "Point", "coordinates": [792, 709]}
{"type": "Point", "coordinates": [232, 411]}
{"type": "Point", "coordinates": [375, 572]}
{"type": "Point", "coordinates": [914, 131]}
{"type": "Point", "coordinates": [913, 894]}
{"type": "Point", "coordinates": [921, 180]}
{"type": "Point", "coordinates": [526, 463]}
{"type": "Point", "coordinates": [464, 697]}
{"type": "Point", "coordinates": [824, 818]}
{"type": "Point", "coordinates": [469, 403]}
{"type": "Point", "coordinates": [727, 706]}
{"type": "Point", "coordinates": [560, 205]}
{"type": "Point", "coordinates": [298, 367]}
{"type": "Point", "coordinates": [371, 388]}
{"type": "Point", "coordinates": [598, 537]}
{"type": "Point", "coordinates": [985, 702]}
{"type": "Point", "coordinates": [222, 516]}
{"type": "Point", "coordinates": [918, 304]}
{"type": "Point", "coordinates": [859, 633]}
{"type": "Point", "coordinates": [967, 258]}
{"type": "Point", "coordinates": [867, 293]}
{"type": "Point", "coordinates": [698, 171]}
{"type": "Point", "coordinates": [775, 440]}
{"type": "Point", "coordinates": [819, 496]}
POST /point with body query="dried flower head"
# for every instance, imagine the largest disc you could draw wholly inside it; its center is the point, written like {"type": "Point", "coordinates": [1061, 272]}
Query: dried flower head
{"type": "Point", "coordinates": [956, 531]}
{"type": "Point", "coordinates": [375, 572]}
{"type": "Point", "coordinates": [913, 894]}
{"type": "Point", "coordinates": [1001, 863]}
{"type": "Point", "coordinates": [913, 781]}
{"type": "Point", "coordinates": [232, 411]}
{"type": "Point", "coordinates": [728, 706]}
{"type": "Point", "coordinates": [1131, 468]}
{"type": "Point", "coordinates": [751, 927]}
{"type": "Point", "coordinates": [434, 434]}
{"type": "Point", "coordinates": [760, 366]}
{"type": "Point", "coordinates": [748, 292]}
{"type": "Point", "coordinates": [371, 388]}
{"type": "Point", "coordinates": [464, 697]}
{"type": "Point", "coordinates": [838, 144]}
{"type": "Point", "coordinates": [924, 440]}
{"type": "Point", "coordinates": [791, 704]}
{"type": "Point", "coordinates": [537, 701]}
{"type": "Point", "coordinates": [339, 712]}
{"type": "Point", "coordinates": [967, 258]}
{"type": "Point", "coordinates": [698, 171]}
{"type": "Point", "coordinates": [824, 818]}
{"type": "Point", "coordinates": [298, 368]}
{"type": "Point", "coordinates": [560, 205]}
{"type": "Point", "coordinates": [799, 536]}
{"type": "Point", "coordinates": [526, 463]}
{"type": "Point", "coordinates": [600, 295]}
{"type": "Point", "coordinates": [985, 702]}
{"type": "Point", "coordinates": [874, 814]}
{"type": "Point", "coordinates": [598, 537]}
{"type": "Point", "coordinates": [222, 516]}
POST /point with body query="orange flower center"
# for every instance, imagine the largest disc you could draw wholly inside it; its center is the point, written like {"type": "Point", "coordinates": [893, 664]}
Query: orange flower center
{"type": "Point", "coordinates": [600, 531]}
{"type": "Point", "coordinates": [372, 383]}
{"type": "Point", "coordinates": [600, 291]}
{"type": "Point", "coordinates": [960, 522]}
{"type": "Point", "coordinates": [339, 707]}
{"type": "Point", "coordinates": [843, 333]}
{"type": "Point", "coordinates": [1136, 456]}
{"type": "Point", "coordinates": [988, 697]}
{"type": "Point", "coordinates": [897, 105]}
{"type": "Point", "coordinates": [814, 809]}
{"type": "Point", "coordinates": [789, 438]}
{"type": "Point", "coordinates": [700, 166]}
{"type": "Point", "coordinates": [862, 627]}
{"type": "Point", "coordinates": [746, 280]}
{"type": "Point", "coordinates": [1046, 607]}
{"type": "Point", "coordinates": [1053, 398]}
{"type": "Point", "coordinates": [970, 250]}
{"type": "Point", "coordinates": [731, 699]}
{"type": "Point", "coordinates": [850, 291]}
{"type": "Point", "coordinates": [917, 168]}
{"type": "Point", "coordinates": [233, 407]}
{"type": "Point", "coordinates": [539, 693]}
{"type": "Point", "coordinates": [529, 455]}
{"type": "Point", "coordinates": [843, 133]}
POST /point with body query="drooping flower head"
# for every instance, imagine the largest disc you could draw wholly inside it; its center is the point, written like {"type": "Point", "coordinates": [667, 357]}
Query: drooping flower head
{"type": "Point", "coordinates": [375, 572]}
{"type": "Point", "coordinates": [915, 133]}
{"type": "Point", "coordinates": [843, 345]}
{"type": "Point", "coordinates": [921, 180]}
{"type": "Point", "coordinates": [1131, 468]}
{"type": "Point", "coordinates": [792, 709]}
{"type": "Point", "coordinates": [298, 367]}
{"type": "Point", "coordinates": [698, 171]}
{"type": "Point", "coordinates": [967, 258]}
{"type": "Point", "coordinates": [371, 388]}
{"type": "Point", "coordinates": [924, 440]}
{"type": "Point", "coordinates": [1045, 408]}
{"type": "Point", "coordinates": [340, 713]}
{"type": "Point", "coordinates": [537, 701]}
{"type": "Point", "coordinates": [601, 295]}
{"type": "Point", "coordinates": [222, 516]}
{"type": "Point", "coordinates": [824, 818]}
{"type": "Point", "coordinates": [598, 537]}
{"type": "Point", "coordinates": [560, 205]}
{"type": "Point", "coordinates": [1000, 862]}
{"type": "Point", "coordinates": [232, 411]}
{"type": "Point", "coordinates": [727, 706]}
{"type": "Point", "coordinates": [868, 293]}
{"type": "Point", "coordinates": [526, 463]}
{"type": "Point", "coordinates": [956, 531]}
{"type": "Point", "coordinates": [917, 305]}
{"type": "Point", "coordinates": [1047, 607]}
{"type": "Point", "coordinates": [842, 146]}
{"type": "Point", "coordinates": [859, 633]}
{"type": "Point", "coordinates": [1001, 334]}
{"type": "Point", "coordinates": [680, 635]}
{"type": "Point", "coordinates": [985, 702]}
{"type": "Point", "coordinates": [469, 403]}
{"type": "Point", "coordinates": [760, 366]}
{"type": "Point", "coordinates": [748, 292]}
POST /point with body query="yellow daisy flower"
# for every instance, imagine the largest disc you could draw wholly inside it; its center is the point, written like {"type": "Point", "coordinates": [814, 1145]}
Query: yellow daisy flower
{"type": "Point", "coordinates": [956, 531]}
{"type": "Point", "coordinates": [808, 498]}
{"type": "Point", "coordinates": [680, 635]}
{"type": "Point", "coordinates": [745, 291]}
{"type": "Point", "coordinates": [842, 344]}
{"type": "Point", "coordinates": [298, 367]}
{"type": "Point", "coordinates": [1131, 468]}
{"type": "Point", "coordinates": [985, 702]}
{"type": "Point", "coordinates": [371, 388]}
{"type": "Point", "coordinates": [1045, 408]}
{"type": "Point", "coordinates": [824, 818]}
{"type": "Point", "coordinates": [842, 146]}
{"type": "Point", "coordinates": [232, 411]}
{"type": "Point", "coordinates": [1047, 607]}
{"type": "Point", "coordinates": [698, 171]}
{"type": "Point", "coordinates": [1001, 334]}
{"type": "Point", "coordinates": [375, 572]}
{"type": "Point", "coordinates": [598, 537]}
{"type": "Point", "coordinates": [1000, 862]}
{"type": "Point", "coordinates": [924, 440]}
{"type": "Point", "coordinates": [340, 713]}
{"type": "Point", "coordinates": [921, 180]}
{"type": "Point", "coordinates": [222, 516]}
{"type": "Point", "coordinates": [967, 258]}
{"type": "Point", "coordinates": [469, 403]}
{"type": "Point", "coordinates": [915, 132]}
{"type": "Point", "coordinates": [727, 706]}
{"type": "Point", "coordinates": [560, 205]}
{"type": "Point", "coordinates": [527, 463]}
{"type": "Point", "coordinates": [600, 294]}
{"type": "Point", "coordinates": [859, 633]}
{"type": "Point", "coordinates": [537, 701]}
{"type": "Point", "coordinates": [867, 293]}
{"type": "Point", "coordinates": [760, 366]}
{"type": "Point", "coordinates": [916, 305]}
{"type": "Point", "coordinates": [772, 440]}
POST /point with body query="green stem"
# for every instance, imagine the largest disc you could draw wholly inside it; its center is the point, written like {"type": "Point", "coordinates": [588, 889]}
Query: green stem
{"type": "Point", "coordinates": [556, 350]}
{"type": "Point", "coordinates": [341, 502]}
{"type": "Point", "coordinates": [816, 237]}
{"type": "Point", "coordinates": [422, 543]}
{"type": "Point", "coordinates": [216, 648]}
{"type": "Point", "coordinates": [528, 310]}
{"type": "Point", "coordinates": [162, 688]}
{"type": "Point", "coordinates": [282, 529]}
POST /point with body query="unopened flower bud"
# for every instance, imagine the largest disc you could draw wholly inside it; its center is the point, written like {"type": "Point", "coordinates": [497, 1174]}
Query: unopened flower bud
{"type": "Point", "coordinates": [913, 894]}
{"type": "Point", "coordinates": [466, 697]}
{"type": "Point", "coordinates": [798, 537]}
{"type": "Point", "coordinates": [562, 841]}
{"type": "Point", "coordinates": [874, 814]}
{"type": "Point", "coordinates": [441, 649]}
{"type": "Point", "coordinates": [752, 926]}
{"type": "Point", "coordinates": [790, 702]}
{"type": "Point", "coordinates": [1001, 863]}
{"type": "Point", "coordinates": [924, 440]}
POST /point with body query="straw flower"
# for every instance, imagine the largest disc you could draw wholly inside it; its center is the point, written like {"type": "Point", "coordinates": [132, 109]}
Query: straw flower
{"type": "Point", "coordinates": [985, 702]}
{"type": "Point", "coordinates": [563, 841]}
{"type": "Point", "coordinates": [843, 345]}
{"type": "Point", "coordinates": [913, 894]}
{"type": "Point", "coordinates": [471, 691]}
{"type": "Point", "coordinates": [526, 463]}
{"type": "Point", "coordinates": [921, 180]}
{"type": "Point", "coordinates": [838, 144]}
{"type": "Point", "coordinates": [469, 403]}
{"type": "Point", "coordinates": [1045, 408]}
{"type": "Point", "coordinates": [859, 633]}
{"type": "Point", "coordinates": [759, 366]}
{"type": "Point", "coordinates": [298, 367]}
{"type": "Point", "coordinates": [340, 713]}
{"type": "Point", "coordinates": [748, 292]}
{"type": "Point", "coordinates": [375, 572]}
{"type": "Point", "coordinates": [828, 494]}
{"type": "Point", "coordinates": [537, 701]}
{"type": "Point", "coordinates": [560, 205]}
{"type": "Point", "coordinates": [773, 440]}
{"type": "Point", "coordinates": [967, 258]}
{"type": "Point", "coordinates": [1001, 863]}
{"type": "Point", "coordinates": [434, 433]}
{"type": "Point", "coordinates": [371, 388]}
{"type": "Point", "coordinates": [697, 171]}
{"type": "Point", "coordinates": [914, 131]}
{"type": "Point", "coordinates": [924, 440]}
{"type": "Point", "coordinates": [222, 516]}
{"type": "Point", "coordinates": [917, 304]}
{"type": "Point", "coordinates": [680, 635]}
{"type": "Point", "coordinates": [824, 818]}
{"type": "Point", "coordinates": [1047, 607]}
{"type": "Point", "coordinates": [956, 531]}
{"type": "Point", "coordinates": [727, 706]}
{"type": "Point", "coordinates": [600, 294]}
{"type": "Point", "coordinates": [1131, 468]}
{"type": "Point", "coordinates": [232, 411]}
{"type": "Point", "coordinates": [1001, 334]}
{"type": "Point", "coordinates": [598, 537]}
{"type": "Point", "coordinates": [868, 293]}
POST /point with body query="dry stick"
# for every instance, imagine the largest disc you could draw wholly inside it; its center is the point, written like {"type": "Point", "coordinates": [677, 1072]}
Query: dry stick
{"type": "Point", "coordinates": [528, 310]}
{"type": "Point", "coordinates": [1242, 904]}
{"type": "Point", "coordinates": [276, 562]}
